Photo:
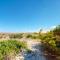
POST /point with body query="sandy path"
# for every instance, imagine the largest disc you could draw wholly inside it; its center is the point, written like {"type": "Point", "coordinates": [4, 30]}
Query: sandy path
{"type": "Point", "coordinates": [36, 51]}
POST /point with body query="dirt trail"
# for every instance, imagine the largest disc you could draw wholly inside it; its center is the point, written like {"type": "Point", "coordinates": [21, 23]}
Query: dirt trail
{"type": "Point", "coordinates": [36, 53]}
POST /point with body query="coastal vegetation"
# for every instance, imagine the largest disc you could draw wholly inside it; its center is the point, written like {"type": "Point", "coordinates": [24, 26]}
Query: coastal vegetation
{"type": "Point", "coordinates": [51, 41]}
{"type": "Point", "coordinates": [9, 49]}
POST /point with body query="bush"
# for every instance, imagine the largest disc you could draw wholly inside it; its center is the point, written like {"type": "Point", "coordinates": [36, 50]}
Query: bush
{"type": "Point", "coordinates": [29, 36]}
{"type": "Point", "coordinates": [10, 48]}
{"type": "Point", "coordinates": [49, 40]}
{"type": "Point", "coordinates": [56, 31]}
{"type": "Point", "coordinates": [16, 35]}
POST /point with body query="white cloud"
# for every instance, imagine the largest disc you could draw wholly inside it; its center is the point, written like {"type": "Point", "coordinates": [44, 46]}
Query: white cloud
{"type": "Point", "coordinates": [53, 27]}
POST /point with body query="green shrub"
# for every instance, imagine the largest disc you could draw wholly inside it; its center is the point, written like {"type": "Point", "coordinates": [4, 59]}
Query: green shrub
{"type": "Point", "coordinates": [56, 31]}
{"type": "Point", "coordinates": [51, 40]}
{"type": "Point", "coordinates": [29, 36]}
{"type": "Point", "coordinates": [18, 35]}
{"type": "Point", "coordinates": [10, 47]}
{"type": "Point", "coordinates": [34, 37]}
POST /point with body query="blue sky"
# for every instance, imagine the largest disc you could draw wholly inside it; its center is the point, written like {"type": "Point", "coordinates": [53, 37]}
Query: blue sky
{"type": "Point", "coordinates": [28, 15]}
